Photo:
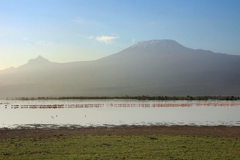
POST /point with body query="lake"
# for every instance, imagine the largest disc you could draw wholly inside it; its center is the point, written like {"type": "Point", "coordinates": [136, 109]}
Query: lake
{"type": "Point", "coordinates": [109, 113]}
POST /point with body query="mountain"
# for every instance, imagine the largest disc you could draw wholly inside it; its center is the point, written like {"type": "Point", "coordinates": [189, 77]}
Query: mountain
{"type": "Point", "coordinates": [156, 67]}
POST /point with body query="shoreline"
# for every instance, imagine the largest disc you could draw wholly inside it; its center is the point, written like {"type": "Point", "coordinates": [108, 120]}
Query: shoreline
{"type": "Point", "coordinates": [213, 131]}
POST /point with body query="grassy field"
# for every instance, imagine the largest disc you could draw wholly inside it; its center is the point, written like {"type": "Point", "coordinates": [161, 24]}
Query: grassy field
{"type": "Point", "coordinates": [120, 147]}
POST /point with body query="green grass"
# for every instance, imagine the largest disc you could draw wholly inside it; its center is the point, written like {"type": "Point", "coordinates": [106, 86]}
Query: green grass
{"type": "Point", "coordinates": [121, 147]}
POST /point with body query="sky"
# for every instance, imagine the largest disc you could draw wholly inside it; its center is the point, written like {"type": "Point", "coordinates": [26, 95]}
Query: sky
{"type": "Point", "coordinates": [83, 30]}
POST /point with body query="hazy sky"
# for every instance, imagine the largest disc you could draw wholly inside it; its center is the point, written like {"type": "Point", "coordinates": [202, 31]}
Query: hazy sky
{"type": "Point", "coordinates": [75, 30]}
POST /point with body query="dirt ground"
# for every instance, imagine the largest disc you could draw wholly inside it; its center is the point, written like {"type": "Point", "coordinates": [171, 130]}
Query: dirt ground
{"type": "Point", "coordinates": [216, 131]}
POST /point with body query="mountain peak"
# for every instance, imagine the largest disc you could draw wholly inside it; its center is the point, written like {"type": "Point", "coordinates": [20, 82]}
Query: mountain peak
{"type": "Point", "coordinates": [39, 57]}
{"type": "Point", "coordinates": [159, 42]}
{"type": "Point", "coordinates": [38, 60]}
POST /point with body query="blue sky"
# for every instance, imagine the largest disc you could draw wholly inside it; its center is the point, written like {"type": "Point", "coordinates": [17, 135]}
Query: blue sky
{"type": "Point", "coordinates": [75, 30]}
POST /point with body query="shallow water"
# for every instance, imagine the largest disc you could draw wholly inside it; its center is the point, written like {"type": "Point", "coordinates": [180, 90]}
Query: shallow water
{"type": "Point", "coordinates": [85, 113]}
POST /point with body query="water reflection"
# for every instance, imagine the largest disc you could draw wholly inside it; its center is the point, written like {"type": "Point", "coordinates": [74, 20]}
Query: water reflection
{"type": "Point", "coordinates": [84, 113]}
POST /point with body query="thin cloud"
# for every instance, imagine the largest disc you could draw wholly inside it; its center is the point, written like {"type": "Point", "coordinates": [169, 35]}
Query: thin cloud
{"type": "Point", "coordinates": [25, 39]}
{"type": "Point", "coordinates": [153, 23]}
{"type": "Point", "coordinates": [106, 39]}
{"type": "Point", "coordinates": [133, 40]}
{"type": "Point", "coordinates": [87, 37]}
{"type": "Point", "coordinates": [90, 37]}
{"type": "Point", "coordinates": [45, 43]}
{"type": "Point", "coordinates": [79, 21]}
{"type": "Point", "coordinates": [41, 42]}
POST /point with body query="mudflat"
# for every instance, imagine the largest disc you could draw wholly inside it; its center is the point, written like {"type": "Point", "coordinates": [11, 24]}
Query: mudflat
{"type": "Point", "coordinates": [215, 131]}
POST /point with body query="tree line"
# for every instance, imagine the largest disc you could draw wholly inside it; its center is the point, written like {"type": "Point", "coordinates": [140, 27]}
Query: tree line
{"type": "Point", "coordinates": [143, 97]}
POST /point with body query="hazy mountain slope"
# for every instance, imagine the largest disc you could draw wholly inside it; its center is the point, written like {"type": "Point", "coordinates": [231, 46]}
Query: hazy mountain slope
{"type": "Point", "coordinates": [157, 67]}
{"type": "Point", "coordinates": [166, 60]}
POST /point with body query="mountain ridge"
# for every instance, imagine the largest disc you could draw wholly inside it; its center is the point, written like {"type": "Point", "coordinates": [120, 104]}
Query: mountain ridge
{"type": "Point", "coordinates": [153, 70]}
{"type": "Point", "coordinates": [150, 44]}
{"type": "Point", "coordinates": [161, 42]}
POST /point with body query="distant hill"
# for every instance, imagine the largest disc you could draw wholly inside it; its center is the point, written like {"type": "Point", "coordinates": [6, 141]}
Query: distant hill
{"type": "Point", "coordinates": [155, 67]}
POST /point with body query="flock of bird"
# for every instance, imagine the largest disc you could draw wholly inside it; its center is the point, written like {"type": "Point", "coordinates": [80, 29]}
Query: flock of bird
{"type": "Point", "coordinates": [146, 105]}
